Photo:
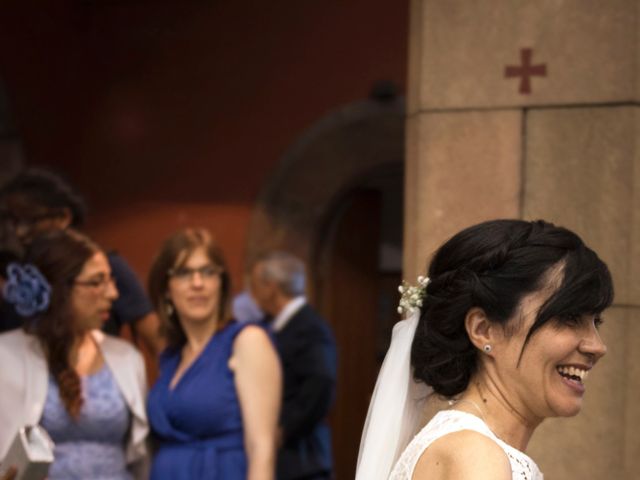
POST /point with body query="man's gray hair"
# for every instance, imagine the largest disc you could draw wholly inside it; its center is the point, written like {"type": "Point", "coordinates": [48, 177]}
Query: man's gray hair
{"type": "Point", "coordinates": [285, 269]}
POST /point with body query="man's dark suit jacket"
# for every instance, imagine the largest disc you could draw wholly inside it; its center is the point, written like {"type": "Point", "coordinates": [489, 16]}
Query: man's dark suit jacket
{"type": "Point", "coordinates": [308, 353]}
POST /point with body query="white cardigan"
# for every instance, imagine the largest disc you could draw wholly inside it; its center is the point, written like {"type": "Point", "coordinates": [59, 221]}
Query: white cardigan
{"type": "Point", "coordinates": [23, 386]}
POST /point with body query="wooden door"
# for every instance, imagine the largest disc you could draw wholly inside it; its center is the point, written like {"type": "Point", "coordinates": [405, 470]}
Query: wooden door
{"type": "Point", "coordinates": [349, 297]}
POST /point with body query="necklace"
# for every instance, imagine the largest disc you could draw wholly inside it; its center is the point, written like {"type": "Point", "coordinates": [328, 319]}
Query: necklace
{"type": "Point", "coordinates": [470, 402]}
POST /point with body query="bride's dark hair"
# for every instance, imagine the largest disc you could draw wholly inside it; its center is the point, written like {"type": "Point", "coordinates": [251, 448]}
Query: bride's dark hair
{"type": "Point", "coordinates": [492, 265]}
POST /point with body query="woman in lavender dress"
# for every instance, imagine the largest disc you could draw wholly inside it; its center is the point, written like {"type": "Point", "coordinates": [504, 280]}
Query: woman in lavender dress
{"type": "Point", "coordinates": [85, 388]}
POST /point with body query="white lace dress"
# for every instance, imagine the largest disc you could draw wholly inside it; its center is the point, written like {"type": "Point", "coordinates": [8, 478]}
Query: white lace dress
{"type": "Point", "coordinates": [449, 421]}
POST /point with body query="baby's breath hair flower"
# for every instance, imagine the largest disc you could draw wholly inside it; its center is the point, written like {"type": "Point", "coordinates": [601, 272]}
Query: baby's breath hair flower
{"type": "Point", "coordinates": [412, 295]}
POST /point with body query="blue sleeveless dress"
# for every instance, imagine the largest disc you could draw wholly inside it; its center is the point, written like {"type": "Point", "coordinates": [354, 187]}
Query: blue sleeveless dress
{"type": "Point", "coordinates": [198, 424]}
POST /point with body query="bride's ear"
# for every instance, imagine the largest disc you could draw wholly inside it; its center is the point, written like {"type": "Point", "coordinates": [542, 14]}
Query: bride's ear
{"type": "Point", "coordinates": [480, 330]}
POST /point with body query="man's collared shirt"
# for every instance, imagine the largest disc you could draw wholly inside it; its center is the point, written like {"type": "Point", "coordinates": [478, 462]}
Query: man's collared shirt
{"type": "Point", "coordinates": [289, 310]}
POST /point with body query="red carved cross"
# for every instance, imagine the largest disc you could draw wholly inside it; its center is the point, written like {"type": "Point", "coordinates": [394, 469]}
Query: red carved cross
{"type": "Point", "coordinates": [525, 71]}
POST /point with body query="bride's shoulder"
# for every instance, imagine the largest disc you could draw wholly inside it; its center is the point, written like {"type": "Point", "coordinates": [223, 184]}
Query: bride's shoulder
{"type": "Point", "coordinates": [463, 454]}
{"type": "Point", "coordinates": [453, 445]}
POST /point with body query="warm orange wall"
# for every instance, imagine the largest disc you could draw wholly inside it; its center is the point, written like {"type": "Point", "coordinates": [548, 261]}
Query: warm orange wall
{"type": "Point", "coordinates": [122, 227]}
{"type": "Point", "coordinates": [167, 113]}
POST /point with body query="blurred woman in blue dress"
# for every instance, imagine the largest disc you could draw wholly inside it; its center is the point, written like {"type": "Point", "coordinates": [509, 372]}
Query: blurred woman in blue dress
{"type": "Point", "coordinates": [215, 406]}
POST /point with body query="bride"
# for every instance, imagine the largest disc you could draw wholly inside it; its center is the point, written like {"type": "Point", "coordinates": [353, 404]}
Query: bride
{"type": "Point", "coordinates": [506, 329]}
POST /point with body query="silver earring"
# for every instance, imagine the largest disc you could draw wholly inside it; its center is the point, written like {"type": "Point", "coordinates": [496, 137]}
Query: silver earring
{"type": "Point", "coordinates": [487, 348]}
{"type": "Point", "coordinates": [169, 309]}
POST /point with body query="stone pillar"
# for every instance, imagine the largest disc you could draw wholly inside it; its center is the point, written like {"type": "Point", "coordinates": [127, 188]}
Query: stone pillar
{"type": "Point", "coordinates": [528, 109]}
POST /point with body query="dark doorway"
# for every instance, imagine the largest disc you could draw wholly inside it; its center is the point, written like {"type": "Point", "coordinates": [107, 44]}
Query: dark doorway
{"type": "Point", "coordinates": [336, 201]}
{"type": "Point", "coordinates": [358, 270]}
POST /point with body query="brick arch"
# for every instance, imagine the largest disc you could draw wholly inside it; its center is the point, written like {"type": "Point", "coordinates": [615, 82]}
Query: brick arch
{"type": "Point", "coordinates": [335, 155]}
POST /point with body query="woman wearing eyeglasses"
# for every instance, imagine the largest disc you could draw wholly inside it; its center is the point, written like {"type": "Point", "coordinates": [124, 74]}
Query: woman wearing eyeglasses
{"type": "Point", "coordinates": [215, 406]}
{"type": "Point", "coordinates": [85, 388]}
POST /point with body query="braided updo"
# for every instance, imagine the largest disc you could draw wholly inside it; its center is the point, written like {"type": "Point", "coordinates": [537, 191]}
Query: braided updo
{"type": "Point", "coordinates": [492, 266]}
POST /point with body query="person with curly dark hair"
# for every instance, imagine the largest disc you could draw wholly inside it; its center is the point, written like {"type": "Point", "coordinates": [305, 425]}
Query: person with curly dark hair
{"type": "Point", "coordinates": [505, 327]}
{"type": "Point", "coordinates": [38, 200]}
{"type": "Point", "coordinates": [85, 388]}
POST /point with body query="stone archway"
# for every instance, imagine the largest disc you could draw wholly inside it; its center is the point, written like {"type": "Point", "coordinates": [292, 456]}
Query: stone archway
{"type": "Point", "coordinates": [331, 158]}
{"type": "Point", "coordinates": [325, 203]}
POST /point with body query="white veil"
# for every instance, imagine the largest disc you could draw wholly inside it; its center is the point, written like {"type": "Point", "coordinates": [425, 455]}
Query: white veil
{"type": "Point", "coordinates": [395, 409]}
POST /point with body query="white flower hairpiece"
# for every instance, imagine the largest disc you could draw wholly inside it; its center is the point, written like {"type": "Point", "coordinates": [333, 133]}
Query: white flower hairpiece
{"type": "Point", "coordinates": [412, 295]}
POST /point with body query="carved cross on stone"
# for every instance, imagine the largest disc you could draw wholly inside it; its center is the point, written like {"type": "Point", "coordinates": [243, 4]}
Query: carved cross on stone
{"type": "Point", "coordinates": [525, 71]}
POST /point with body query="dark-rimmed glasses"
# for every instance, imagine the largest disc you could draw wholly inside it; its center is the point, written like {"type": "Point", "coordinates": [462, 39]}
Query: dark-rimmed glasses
{"type": "Point", "coordinates": [185, 274]}
{"type": "Point", "coordinates": [27, 221]}
{"type": "Point", "coordinates": [98, 283]}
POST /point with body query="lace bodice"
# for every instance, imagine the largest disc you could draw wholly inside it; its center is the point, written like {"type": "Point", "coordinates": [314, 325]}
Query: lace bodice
{"type": "Point", "coordinates": [449, 421]}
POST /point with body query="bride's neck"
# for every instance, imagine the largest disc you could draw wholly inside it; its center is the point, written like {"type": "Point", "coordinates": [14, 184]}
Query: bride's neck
{"type": "Point", "coordinates": [506, 419]}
